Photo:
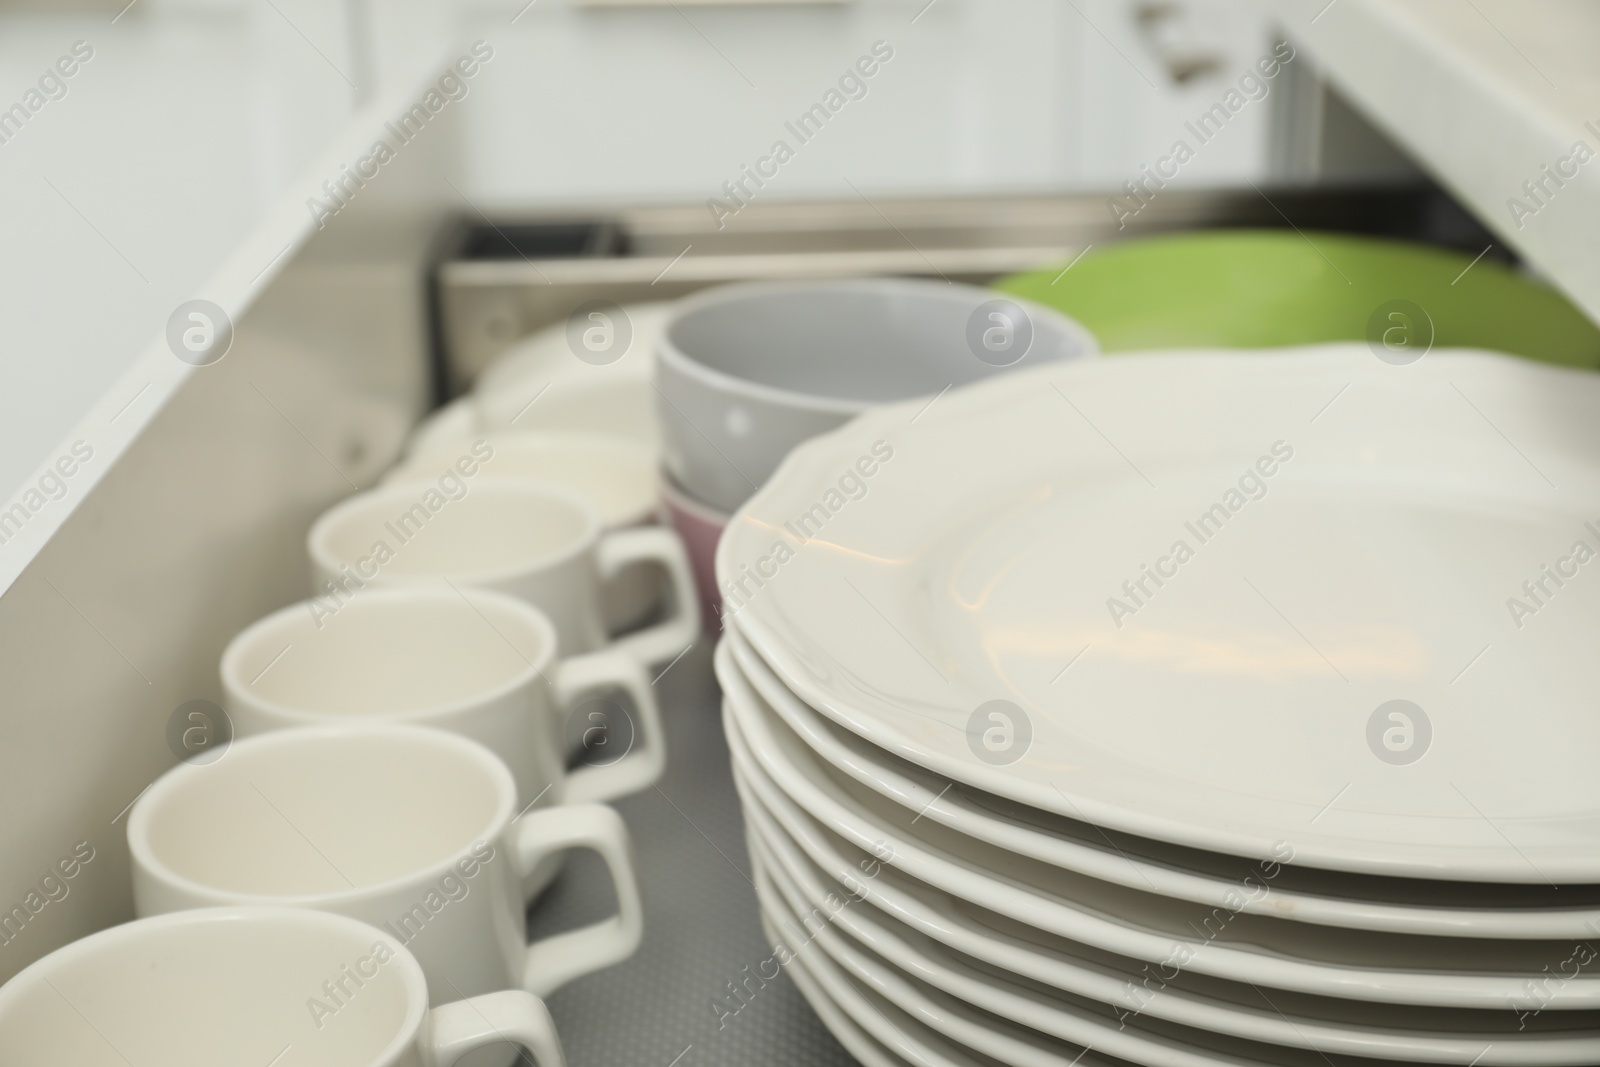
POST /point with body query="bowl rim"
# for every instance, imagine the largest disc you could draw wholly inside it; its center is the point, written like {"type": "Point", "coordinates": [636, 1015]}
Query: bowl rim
{"type": "Point", "coordinates": [671, 359]}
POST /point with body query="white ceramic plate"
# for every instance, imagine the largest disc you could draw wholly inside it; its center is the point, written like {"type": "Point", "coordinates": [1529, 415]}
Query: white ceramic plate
{"type": "Point", "coordinates": [1368, 902]}
{"type": "Point", "coordinates": [547, 355]}
{"type": "Point", "coordinates": [1042, 1031]}
{"type": "Point", "coordinates": [890, 1021]}
{"type": "Point", "coordinates": [1359, 965]}
{"type": "Point", "coordinates": [864, 1028]}
{"type": "Point", "coordinates": [453, 422]}
{"type": "Point", "coordinates": [1487, 1038]}
{"type": "Point", "coordinates": [1006, 1043]}
{"type": "Point", "coordinates": [1230, 707]}
{"type": "Point", "coordinates": [865, 1048]}
{"type": "Point", "coordinates": [540, 384]}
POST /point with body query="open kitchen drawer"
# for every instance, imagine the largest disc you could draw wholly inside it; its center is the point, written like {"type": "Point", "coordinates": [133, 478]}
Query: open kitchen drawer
{"type": "Point", "coordinates": [191, 526]}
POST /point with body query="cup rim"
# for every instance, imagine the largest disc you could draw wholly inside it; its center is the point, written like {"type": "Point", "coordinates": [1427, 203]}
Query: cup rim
{"type": "Point", "coordinates": [321, 532]}
{"type": "Point", "coordinates": [237, 689]}
{"type": "Point", "coordinates": [145, 808]}
{"type": "Point", "coordinates": [514, 437]}
{"type": "Point", "coordinates": [416, 985]}
{"type": "Point", "coordinates": [669, 354]}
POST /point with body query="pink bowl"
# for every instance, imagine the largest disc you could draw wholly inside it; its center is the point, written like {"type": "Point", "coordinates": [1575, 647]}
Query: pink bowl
{"type": "Point", "coordinates": [700, 525]}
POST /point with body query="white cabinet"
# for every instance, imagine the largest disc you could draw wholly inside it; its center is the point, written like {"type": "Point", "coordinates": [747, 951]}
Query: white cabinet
{"type": "Point", "coordinates": [173, 163]}
{"type": "Point", "coordinates": [1498, 99]}
{"type": "Point", "coordinates": [668, 102]}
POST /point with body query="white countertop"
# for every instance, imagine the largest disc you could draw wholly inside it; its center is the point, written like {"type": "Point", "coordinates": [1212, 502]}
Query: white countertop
{"type": "Point", "coordinates": [1484, 94]}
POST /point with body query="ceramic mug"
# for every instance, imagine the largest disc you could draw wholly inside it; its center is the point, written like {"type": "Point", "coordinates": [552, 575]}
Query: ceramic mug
{"type": "Point", "coordinates": [745, 372]}
{"type": "Point", "coordinates": [243, 985]}
{"type": "Point", "coordinates": [413, 830]}
{"type": "Point", "coordinates": [472, 661]}
{"type": "Point", "coordinates": [539, 542]}
{"type": "Point", "coordinates": [616, 475]}
{"type": "Point", "coordinates": [700, 526]}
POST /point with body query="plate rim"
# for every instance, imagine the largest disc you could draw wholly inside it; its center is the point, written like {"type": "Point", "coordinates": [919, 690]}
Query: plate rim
{"type": "Point", "coordinates": [1346, 851]}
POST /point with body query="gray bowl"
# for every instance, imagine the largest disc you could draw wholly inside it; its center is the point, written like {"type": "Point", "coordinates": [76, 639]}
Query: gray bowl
{"type": "Point", "coordinates": [745, 372]}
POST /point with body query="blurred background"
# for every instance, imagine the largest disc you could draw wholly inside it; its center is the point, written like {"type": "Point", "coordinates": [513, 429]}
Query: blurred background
{"type": "Point", "coordinates": [196, 120]}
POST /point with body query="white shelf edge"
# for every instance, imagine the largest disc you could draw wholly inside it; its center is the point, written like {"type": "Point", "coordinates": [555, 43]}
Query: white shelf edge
{"type": "Point", "coordinates": [1475, 113]}
{"type": "Point", "coordinates": [140, 393]}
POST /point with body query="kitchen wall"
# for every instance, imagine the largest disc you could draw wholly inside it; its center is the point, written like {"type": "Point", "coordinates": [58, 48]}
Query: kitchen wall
{"type": "Point", "coordinates": [656, 101]}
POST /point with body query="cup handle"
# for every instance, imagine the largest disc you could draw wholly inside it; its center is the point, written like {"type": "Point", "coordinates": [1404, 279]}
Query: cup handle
{"type": "Point", "coordinates": [553, 961]}
{"type": "Point", "coordinates": [575, 679]}
{"type": "Point", "coordinates": [653, 544]}
{"type": "Point", "coordinates": [450, 1031]}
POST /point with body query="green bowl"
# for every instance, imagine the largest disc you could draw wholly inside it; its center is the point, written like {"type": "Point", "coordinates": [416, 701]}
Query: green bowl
{"type": "Point", "coordinates": [1266, 288]}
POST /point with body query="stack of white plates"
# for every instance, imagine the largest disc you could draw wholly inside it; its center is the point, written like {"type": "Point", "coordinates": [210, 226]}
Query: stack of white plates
{"type": "Point", "coordinates": [1184, 710]}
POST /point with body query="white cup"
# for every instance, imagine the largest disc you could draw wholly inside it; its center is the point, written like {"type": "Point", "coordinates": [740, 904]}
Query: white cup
{"type": "Point", "coordinates": [410, 829]}
{"type": "Point", "coordinates": [616, 475]}
{"type": "Point", "coordinates": [472, 661]}
{"type": "Point", "coordinates": [539, 542]}
{"type": "Point", "coordinates": [234, 985]}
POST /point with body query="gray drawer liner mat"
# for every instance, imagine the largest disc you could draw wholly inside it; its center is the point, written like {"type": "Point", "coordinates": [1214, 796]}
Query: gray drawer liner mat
{"type": "Point", "coordinates": [671, 1005]}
